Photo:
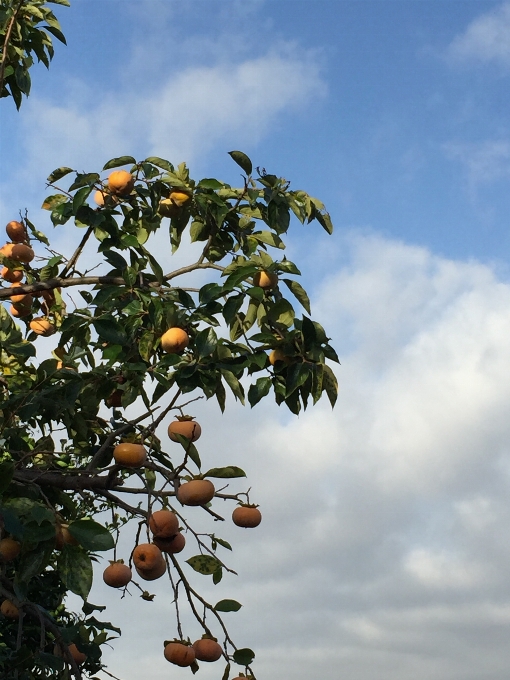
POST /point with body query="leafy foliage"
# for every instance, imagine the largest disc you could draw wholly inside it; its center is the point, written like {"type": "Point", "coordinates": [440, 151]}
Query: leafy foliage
{"type": "Point", "coordinates": [26, 30]}
{"type": "Point", "coordinates": [57, 466]}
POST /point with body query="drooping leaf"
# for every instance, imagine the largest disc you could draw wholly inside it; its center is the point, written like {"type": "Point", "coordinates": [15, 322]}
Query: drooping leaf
{"type": "Point", "coordinates": [228, 472]}
{"type": "Point", "coordinates": [117, 162]}
{"type": "Point", "coordinates": [75, 568]}
{"type": "Point", "coordinates": [91, 535]}
{"type": "Point", "coordinates": [242, 161]}
{"type": "Point", "coordinates": [244, 657]}
{"type": "Point", "coordinates": [299, 292]}
{"type": "Point", "coordinates": [227, 606]}
{"type": "Point", "coordinates": [204, 564]}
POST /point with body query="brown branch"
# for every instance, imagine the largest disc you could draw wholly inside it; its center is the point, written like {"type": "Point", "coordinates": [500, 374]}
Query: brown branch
{"type": "Point", "coordinates": [76, 253]}
{"type": "Point", "coordinates": [190, 268]}
{"type": "Point", "coordinates": [64, 481]}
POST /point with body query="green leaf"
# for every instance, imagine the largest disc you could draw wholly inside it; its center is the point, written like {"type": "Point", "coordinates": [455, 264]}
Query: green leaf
{"type": "Point", "coordinates": [228, 472]}
{"type": "Point", "coordinates": [299, 292]}
{"type": "Point", "coordinates": [242, 161]}
{"type": "Point", "coordinates": [58, 174]}
{"type": "Point", "coordinates": [227, 606]}
{"type": "Point", "coordinates": [75, 568]}
{"type": "Point", "coordinates": [226, 674]}
{"type": "Point", "coordinates": [244, 657]}
{"type": "Point", "coordinates": [160, 163]}
{"type": "Point", "coordinates": [205, 342]}
{"type": "Point", "coordinates": [83, 180]}
{"type": "Point", "coordinates": [204, 564]}
{"type": "Point", "coordinates": [330, 384]}
{"type": "Point", "coordinates": [110, 331]}
{"type": "Point", "coordinates": [91, 535]}
{"type": "Point", "coordinates": [53, 201]}
{"type": "Point", "coordinates": [58, 34]}
{"type": "Point", "coordinates": [190, 449]}
{"type": "Point", "coordinates": [117, 162]}
{"type": "Point", "coordinates": [66, 3]}
{"type": "Point", "coordinates": [217, 576]}
{"type": "Point", "coordinates": [259, 390]}
{"type": "Point", "coordinates": [234, 384]}
{"type": "Point", "coordinates": [269, 238]}
{"type": "Point", "coordinates": [210, 184]}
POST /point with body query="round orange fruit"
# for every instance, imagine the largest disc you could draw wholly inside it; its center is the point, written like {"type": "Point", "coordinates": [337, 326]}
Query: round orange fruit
{"type": "Point", "coordinates": [247, 516]}
{"type": "Point", "coordinates": [196, 492]}
{"type": "Point", "coordinates": [130, 455]}
{"type": "Point", "coordinates": [174, 341]}
{"type": "Point", "coordinates": [121, 182]}
{"type": "Point", "coordinates": [186, 427]}
{"type": "Point", "coordinates": [179, 654]}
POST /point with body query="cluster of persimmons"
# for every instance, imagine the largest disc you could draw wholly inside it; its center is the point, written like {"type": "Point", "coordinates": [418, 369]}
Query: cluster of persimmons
{"type": "Point", "coordinates": [19, 251]}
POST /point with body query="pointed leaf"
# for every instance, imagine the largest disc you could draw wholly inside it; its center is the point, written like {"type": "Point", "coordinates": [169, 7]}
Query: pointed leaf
{"type": "Point", "coordinates": [242, 161]}
{"type": "Point", "coordinates": [117, 162]}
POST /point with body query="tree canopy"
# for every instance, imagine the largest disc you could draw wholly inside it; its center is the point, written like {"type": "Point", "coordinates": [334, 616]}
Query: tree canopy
{"type": "Point", "coordinates": [84, 414]}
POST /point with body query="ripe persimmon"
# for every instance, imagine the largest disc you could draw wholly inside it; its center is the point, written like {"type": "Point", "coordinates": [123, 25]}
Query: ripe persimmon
{"type": "Point", "coordinates": [24, 299]}
{"type": "Point", "coordinates": [174, 340]}
{"type": "Point", "coordinates": [78, 656]}
{"type": "Point", "coordinates": [16, 231]}
{"type": "Point", "coordinates": [278, 355]}
{"type": "Point", "coordinates": [196, 492]}
{"type": "Point", "coordinates": [207, 649]}
{"type": "Point", "coordinates": [63, 536]}
{"type": "Point", "coordinates": [18, 252]}
{"type": "Point", "coordinates": [186, 426]}
{"type": "Point", "coordinates": [19, 311]}
{"type": "Point", "coordinates": [117, 575]}
{"type": "Point", "coordinates": [130, 455]}
{"type": "Point", "coordinates": [9, 549]}
{"type": "Point", "coordinates": [149, 562]}
{"type": "Point", "coordinates": [121, 182]}
{"type": "Point", "coordinates": [172, 545]}
{"type": "Point", "coordinates": [42, 326]}
{"type": "Point", "coordinates": [179, 654]}
{"type": "Point", "coordinates": [265, 280]}
{"type": "Point", "coordinates": [11, 275]}
{"type": "Point", "coordinates": [247, 516]}
{"type": "Point", "coordinates": [163, 524]}
{"type": "Point", "coordinates": [9, 610]}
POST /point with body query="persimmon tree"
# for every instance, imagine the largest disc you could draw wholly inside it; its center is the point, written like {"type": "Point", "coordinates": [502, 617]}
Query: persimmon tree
{"type": "Point", "coordinates": [89, 391]}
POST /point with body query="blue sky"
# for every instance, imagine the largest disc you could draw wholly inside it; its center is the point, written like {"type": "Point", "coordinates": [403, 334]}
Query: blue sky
{"type": "Point", "coordinates": [384, 546]}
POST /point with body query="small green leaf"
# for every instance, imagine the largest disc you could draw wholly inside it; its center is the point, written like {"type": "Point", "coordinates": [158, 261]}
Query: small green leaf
{"type": "Point", "coordinates": [228, 472]}
{"type": "Point", "coordinates": [210, 184]}
{"type": "Point", "coordinates": [259, 390]}
{"type": "Point", "coordinates": [227, 606]}
{"type": "Point", "coordinates": [117, 162]}
{"type": "Point", "coordinates": [58, 174]}
{"type": "Point", "coordinates": [242, 161]}
{"type": "Point", "coordinates": [244, 657]}
{"type": "Point", "coordinates": [91, 535]}
{"type": "Point", "coordinates": [160, 163]}
{"type": "Point", "coordinates": [204, 564]}
{"type": "Point", "coordinates": [299, 292]}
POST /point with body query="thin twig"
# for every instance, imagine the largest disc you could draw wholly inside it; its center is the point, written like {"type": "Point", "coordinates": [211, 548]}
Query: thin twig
{"type": "Point", "coordinates": [6, 43]}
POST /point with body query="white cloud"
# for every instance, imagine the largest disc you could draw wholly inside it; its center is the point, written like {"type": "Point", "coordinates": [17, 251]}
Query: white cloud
{"type": "Point", "coordinates": [385, 542]}
{"type": "Point", "coordinates": [178, 115]}
{"type": "Point", "coordinates": [486, 39]}
{"type": "Point", "coordinates": [483, 162]}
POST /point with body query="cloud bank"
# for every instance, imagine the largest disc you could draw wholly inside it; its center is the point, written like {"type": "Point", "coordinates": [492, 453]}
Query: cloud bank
{"type": "Point", "coordinates": [385, 544]}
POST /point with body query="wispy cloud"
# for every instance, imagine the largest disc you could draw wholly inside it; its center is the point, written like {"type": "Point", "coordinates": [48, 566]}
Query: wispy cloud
{"type": "Point", "coordinates": [483, 162]}
{"type": "Point", "coordinates": [486, 39]}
